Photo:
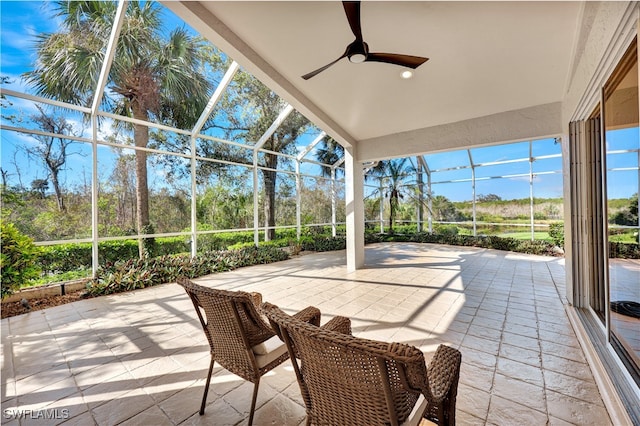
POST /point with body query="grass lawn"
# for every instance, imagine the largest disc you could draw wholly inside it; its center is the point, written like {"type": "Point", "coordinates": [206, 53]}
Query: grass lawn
{"type": "Point", "coordinates": [526, 235]}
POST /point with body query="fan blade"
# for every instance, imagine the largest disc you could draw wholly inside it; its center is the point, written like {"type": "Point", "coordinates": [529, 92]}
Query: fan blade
{"type": "Point", "coordinates": [319, 70]}
{"type": "Point", "coordinates": [397, 59]}
{"type": "Point", "coordinates": [352, 10]}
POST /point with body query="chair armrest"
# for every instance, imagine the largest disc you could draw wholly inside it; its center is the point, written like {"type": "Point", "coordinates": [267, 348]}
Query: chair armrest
{"type": "Point", "coordinates": [256, 298]}
{"type": "Point", "coordinates": [444, 371]}
{"type": "Point", "coordinates": [338, 324]}
{"type": "Point", "coordinates": [310, 314]}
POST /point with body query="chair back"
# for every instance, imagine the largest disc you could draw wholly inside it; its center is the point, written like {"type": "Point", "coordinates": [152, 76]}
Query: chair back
{"type": "Point", "coordinates": [232, 325]}
{"type": "Point", "coordinates": [346, 380]}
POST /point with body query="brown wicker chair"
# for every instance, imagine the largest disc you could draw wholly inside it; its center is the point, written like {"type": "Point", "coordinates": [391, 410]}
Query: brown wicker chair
{"type": "Point", "coordinates": [345, 380]}
{"type": "Point", "coordinates": [241, 341]}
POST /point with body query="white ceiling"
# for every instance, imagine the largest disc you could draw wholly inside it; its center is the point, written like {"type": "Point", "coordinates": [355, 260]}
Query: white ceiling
{"type": "Point", "coordinates": [485, 58]}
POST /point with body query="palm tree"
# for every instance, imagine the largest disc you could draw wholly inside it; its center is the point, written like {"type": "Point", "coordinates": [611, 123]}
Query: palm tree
{"type": "Point", "coordinates": [329, 152]}
{"type": "Point", "coordinates": [396, 172]}
{"type": "Point", "coordinates": [151, 76]}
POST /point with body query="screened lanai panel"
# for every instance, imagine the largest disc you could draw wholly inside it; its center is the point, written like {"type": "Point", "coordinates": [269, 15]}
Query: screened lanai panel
{"type": "Point", "coordinates": [69, 57]}
{"type": "Point", "coordinates": [29, 114]}
{"type": "Point", "coordinates": [159, 69]}
{"type": "Point", "coordinates": [316, 201]}
{"type": "Point", "coordinates": [451, 202]}
{"type": "Point", "coordinates": [122, 131]}
{"type": "Point", "coordinates": [47, 186]}
{"type": "Point", "coordinates": [543, 147]}
{"type": "Point", "coordinates": [451, 175]}
{"type": "Point", "coordinates": [223, 151]}
{"type": "Point", "coordinates": [285, 199]}
{"type": "Point", "coordinates": [168, 186]}
{"type": "Point", "coordinates": [15, 17]}
{"type": "Point", "coordinates": [548, 199]}
{"type": "Point", "coordinates": [445, 160]}
{"type": "Point", "coordinates": [246, 110]}
{"type": "Point", "coordinates": [547, 165]}
{"type": "Point", "coordinates": [489, 154]}
{"type": "Point", "coordinates": [169, 182]}
{"type": "Point", "coordinates": [224, 197]}
{"type": "Point", "coordinates": [506, 169]}
{"type": "Point", "coordinates": [500, 217]}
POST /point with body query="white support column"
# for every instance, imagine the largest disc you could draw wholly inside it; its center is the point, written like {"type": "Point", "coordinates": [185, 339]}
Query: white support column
{"type": "Point", "coordinates": [95, 105]}
{"type": "Point", "coordinates": [354, 179]}
{"type": "Point", "coordinates": [381, 206]}
{"type": "Point", "coordinates": [419, 209]}
{"type": "Point", "coordinates": [473, 192]}
{"type": "Point", "coordinates": [429, 200]}
{"type": "Point", "coordinates": [334, 190]}
{"type": "Point", "coordinates": [94, 195]}
{"type": "Point", "coordinates": [531, 206]}
{"type": "Point", "coordinates": [298, 200]}
{"type": "Point", "coordinates": [256, 213]}
{"type": "Point", "coordinates": [333, 202]}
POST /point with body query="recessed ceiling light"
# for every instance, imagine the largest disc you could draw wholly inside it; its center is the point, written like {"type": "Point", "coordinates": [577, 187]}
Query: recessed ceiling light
{"type": "Point", "coordinates": [406, 74]}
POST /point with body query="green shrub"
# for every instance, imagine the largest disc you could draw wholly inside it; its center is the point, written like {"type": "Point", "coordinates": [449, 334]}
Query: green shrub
{"type": "Point", "coordinates": [18, 256]}
{"type": "Point", "coordinates": [325, 244]}
{"type": "Point", "coordinates": [624, 250]}
{"type": "Point", "coordinates": [140, 273]}
{"type": "Point", "coordinates": [446, 229]}
{"type": "Point", "coordinates": [556, 232]}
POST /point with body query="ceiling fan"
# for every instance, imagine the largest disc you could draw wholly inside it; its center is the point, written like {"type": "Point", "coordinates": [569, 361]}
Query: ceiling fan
{"type": "Point", "coordinates": [358, 51]}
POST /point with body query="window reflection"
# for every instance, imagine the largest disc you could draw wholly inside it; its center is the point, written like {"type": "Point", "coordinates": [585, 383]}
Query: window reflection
{"type": "Point", "coordinates": [623, 177]}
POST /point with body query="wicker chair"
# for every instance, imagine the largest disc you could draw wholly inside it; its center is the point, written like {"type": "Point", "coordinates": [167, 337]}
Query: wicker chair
{"type": "Point", "coordinates": [240, 339]}
{"type": "Point", "coordinates": [345, 380]}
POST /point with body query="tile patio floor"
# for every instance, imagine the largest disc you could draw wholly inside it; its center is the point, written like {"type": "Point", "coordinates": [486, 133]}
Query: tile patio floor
{"type": "Point", "coordinates": [141, 358]}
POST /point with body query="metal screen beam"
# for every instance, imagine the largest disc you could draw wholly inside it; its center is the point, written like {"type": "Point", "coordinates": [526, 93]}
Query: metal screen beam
{"type": "Point", "coordinates": [215, 98]}
{"type": "Point", "coordinates": [288, 109]}
{"type": "Point", "coordinates": [309, 147]}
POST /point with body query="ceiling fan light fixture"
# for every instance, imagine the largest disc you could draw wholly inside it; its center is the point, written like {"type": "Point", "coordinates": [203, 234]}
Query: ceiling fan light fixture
{"type": "Point", "coordinates": [358, 58]}
{"type": "Point", "coordinates": [406, 74]}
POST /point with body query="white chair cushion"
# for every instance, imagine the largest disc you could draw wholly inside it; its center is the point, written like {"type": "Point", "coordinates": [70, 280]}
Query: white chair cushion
{"type": "Point", "coordinates": [416, 414]}
{"type": "Point", "coordinates": [269, 350]}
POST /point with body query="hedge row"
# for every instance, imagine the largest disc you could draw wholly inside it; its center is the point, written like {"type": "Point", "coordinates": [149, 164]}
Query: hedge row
{"type": "Point", "coordinates": [141, 273]}
{"type": "Point", "coordinates": [491, 242]}
{"type": "Point", "coordinates": [69, 257]}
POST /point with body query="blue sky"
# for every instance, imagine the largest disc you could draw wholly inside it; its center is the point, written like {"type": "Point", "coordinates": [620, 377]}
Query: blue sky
{"type": "Point", "coordinates": [21, 21]}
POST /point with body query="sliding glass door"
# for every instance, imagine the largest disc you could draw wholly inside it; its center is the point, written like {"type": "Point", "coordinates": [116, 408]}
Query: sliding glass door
{"type": "Point", "coordinates": [622, 142]}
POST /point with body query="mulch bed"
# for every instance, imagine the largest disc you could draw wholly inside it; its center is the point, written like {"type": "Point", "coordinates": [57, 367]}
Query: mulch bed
{"type": "Point", "coordinates": [12, 309]}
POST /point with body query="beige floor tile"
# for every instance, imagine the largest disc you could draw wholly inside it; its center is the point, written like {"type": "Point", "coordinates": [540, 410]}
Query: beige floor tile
{"type": "Point", "coordinates": [585, 390]}
{"type": "Point", "coordinates": [505, 412]}
{"type": "Point", "coordinates": [219, 412]}
{"type": "Point", "coordinates": [520, 371]}
{"type": "Point", "coordinates": [142, 358]}
{"type": "Point", "coordinates": [475, 401]}
{"type": "Point", "coordinates": [579, 370]}
{"type": "Point", "coordinates": [84, 419]}
{"type": "Point", "coordinates": [523, 393]}
{"type": "Point", "coordinates": [183, 404]}
{"type": "Point", "coordinates": [151, 416]}
{"type": "Point", "coordinates": [123, 408]}
{"type": "Point", "coordinates": [575, 410]}
{"type": "Point", "coordinates": [525, 356]}
{"type": "Point", "coordinates": [279, 410]}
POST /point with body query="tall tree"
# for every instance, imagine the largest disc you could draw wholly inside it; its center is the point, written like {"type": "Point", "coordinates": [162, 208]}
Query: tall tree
{"type": "Point", "coordinates": [396, 172]}
{"type": "Point", "coordinates": [152, 76]}
{"type": "Point", "coordinates": [52, 150]}
{"type": "Point", "coordinates": [250, 109]}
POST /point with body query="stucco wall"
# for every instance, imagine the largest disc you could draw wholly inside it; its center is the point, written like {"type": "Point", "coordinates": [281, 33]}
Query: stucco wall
{"type": "Point", "coordinates": [606, 29]}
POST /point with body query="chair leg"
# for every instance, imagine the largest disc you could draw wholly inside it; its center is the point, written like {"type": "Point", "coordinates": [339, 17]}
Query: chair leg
{"type": "Point", "coordinates": [253, 401]}
{"type": "Point", "coordinates": [206, 386]}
